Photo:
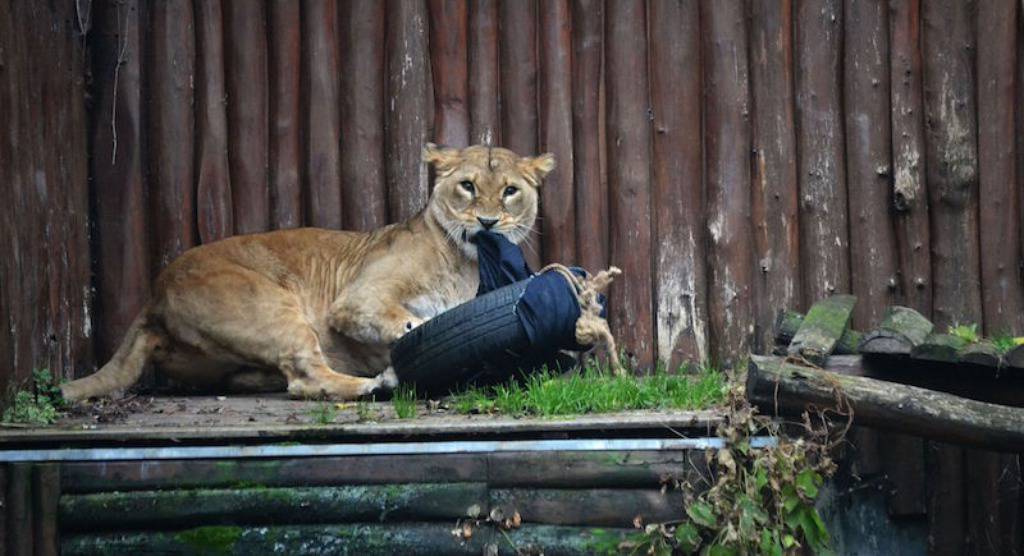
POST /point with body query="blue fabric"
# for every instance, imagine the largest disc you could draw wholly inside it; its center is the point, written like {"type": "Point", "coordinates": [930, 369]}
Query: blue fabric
{"type": "Point", "coordinates": [547, 310]}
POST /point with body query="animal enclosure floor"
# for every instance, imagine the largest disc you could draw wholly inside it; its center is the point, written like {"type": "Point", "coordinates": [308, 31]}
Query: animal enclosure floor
{"type": "Point", "coordinates": [217, 419]}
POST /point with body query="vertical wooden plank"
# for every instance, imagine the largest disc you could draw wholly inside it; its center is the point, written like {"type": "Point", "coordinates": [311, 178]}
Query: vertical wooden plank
{"type": "Point", "coordinates": [518, 46]}
{"type": "Point", "coordinates": [286, 156]}
{"type": "Point", "coordinates": [484, 81]}
{"type": "Point", "coordinates": [4, 500]}
{"type": "Point", "coordinates": [952, 172]}
{"type": "Point", "coordinates": [214, 212]}
{"type": "Point", "coordinates": [320, 65]}
{"type": "Point", "coordinates": [450, 60]}
{"type": "Point", "coordinates": [680, 271]}
{"type": "Point", "coordinates": [727, 136]}
{"type": "Point", "coordinates": [591, 189]}
{"type": "Point", "coordinates": [45, 495]}
{"type": "Point", "coordinates": [361, 23]}
{"type": "Point", "coordinates": [557, 195]}
{"type": "Point", "coordinates": [9, 243]}
{"type": "Point", "coordinates": [994, 497]}
{"type": "Point", "coordinates": [824, 239]}
{"type": "Point", "coordinates": [19, 509]}
{"type": "Point", "coordinates": [410, 107]}
{"type": "Point", "coordinates": [118, 181]}
{"type": "Point", "coordinates": [171, 73]}
{"type": "Point", "coordinates": [774, 204]}
{"type": "Point", "coordinates": [868, 166]}
{"type": "Point", "coordinates": [247, 114]}
{"type": "Point", "coordinates": [629, 170]}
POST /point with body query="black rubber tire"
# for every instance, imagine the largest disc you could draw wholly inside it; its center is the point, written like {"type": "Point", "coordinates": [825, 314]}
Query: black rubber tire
{"type": "Point", "coordinates": [482, 336]}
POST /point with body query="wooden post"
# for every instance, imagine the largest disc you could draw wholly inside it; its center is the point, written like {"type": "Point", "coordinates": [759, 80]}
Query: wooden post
{"type": "Point", "coordinates": [591, 189]}
{"type": "Point", "coordinates": [171, 64]}
{"type": "Point", "coordinates": [214, 213]}
{"type": "Point", "coordinates": [557, 194]}
{"type": "Point", "coordinates": [680, 268]}
{"type": "Point", "coordinates": [363, 82]}
{"type": "Point", "coordinates": [322, 123]}
{"type": "Point", "coordinates": [285, 63]}
{"type": "Point", "coordinates": [45, 496]}
{"type": "Point", "coordinates": [630, 309]}
{"type": "Point", "coordinates": [450, 59]}
{"type": "Point", "coordinates": [774, 205]}
{"type": "Point", "coordinates": [19, 509]}
{"type": "Point", "coordinates": [484, 81]}
{"type": "Point", "coordinates": [410, 107]}
{"type": "Point", "coordinates": [517, 24]}
{"type": "Point", "coordinates": [246, 41]}
{"type": "Point", "coordinates": [727, 106]}
{"type": "Point", "coordinates": [824, 241]}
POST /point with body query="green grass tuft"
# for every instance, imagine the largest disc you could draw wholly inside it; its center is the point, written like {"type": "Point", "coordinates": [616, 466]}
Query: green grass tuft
{"type": "Point", "coordinates": [1004, 343]}
{"type": "Point", "coordinates": [594, 390]}
{"type": "Point", "coordinates": [323, 413]}
{"type": "Point", "coordinates": [404, 401]}
{"type": "Point", "coordinates": [966, 332]}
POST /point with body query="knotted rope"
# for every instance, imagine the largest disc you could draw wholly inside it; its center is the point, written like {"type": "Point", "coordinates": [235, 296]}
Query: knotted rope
{"type": "Point", "coordinates": [591, 329]}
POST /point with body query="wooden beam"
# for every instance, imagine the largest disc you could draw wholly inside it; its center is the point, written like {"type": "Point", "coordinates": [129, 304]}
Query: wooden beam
{"type": "Point", "coordinates": [822, 328]}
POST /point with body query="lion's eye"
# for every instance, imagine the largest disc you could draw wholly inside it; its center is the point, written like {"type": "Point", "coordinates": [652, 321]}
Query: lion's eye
{"type": "Point", "coordinates": [467, 186]}
{"type": "Point", "coordinates": [510, 191]}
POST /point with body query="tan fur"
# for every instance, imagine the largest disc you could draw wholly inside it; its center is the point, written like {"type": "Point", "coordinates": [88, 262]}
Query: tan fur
{"type": "Point", "coordinates": [318, 309]}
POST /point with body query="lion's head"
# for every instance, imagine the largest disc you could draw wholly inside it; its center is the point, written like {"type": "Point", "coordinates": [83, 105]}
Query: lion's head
{"type": "Point", "coordinates": [482, 187]}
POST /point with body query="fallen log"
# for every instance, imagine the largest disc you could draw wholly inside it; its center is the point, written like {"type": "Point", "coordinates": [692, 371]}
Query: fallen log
{"type": "Point", "coordinates": [780, 387]}
{"type": "Point", "coordinates": [824, 324]}
{"type": "Point", "coordinates": [788, 322]}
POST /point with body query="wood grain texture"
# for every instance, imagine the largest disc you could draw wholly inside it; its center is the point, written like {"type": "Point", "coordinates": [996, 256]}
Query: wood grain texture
{"type": "Point", "coordinates": [214, 213]}
{"type": "Point", "coordinates": [631, 303]}
{"type": "Point", "coordinates": [824, 239]}
{"type": "Point", "coordinates": [727, 140]}
{"type": "Point", "coordinates": [322, 127]}
{"type": "Point", "coordinates": [449, 58]}
{"type": "Point", "coordinates": [364, 189]}
{"type": "Point", "coordinates": [558, 214]}
{"type": "Point", "coordinates": [410, 107]}
{"type": "Point", "coordinates": [774, 199]}
{"type": "Point", "coordinates": [246, 65]}
{"type": "Point", "coordinates": [591, 189]}
{"type": "Point", "coordinates": [45, 496]}
{"type": "Point", "coordinates": [171, 71]}
{"type": "Point", "coordinates": [285, 165]}
{"type": "Point", "coordinates": [484, 81]}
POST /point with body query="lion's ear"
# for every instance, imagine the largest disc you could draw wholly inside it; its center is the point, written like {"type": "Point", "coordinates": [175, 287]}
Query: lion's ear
{"type": "Point", "coordinates": [539, 166]}
{"type": "Point", "coordinates": [442, 158]}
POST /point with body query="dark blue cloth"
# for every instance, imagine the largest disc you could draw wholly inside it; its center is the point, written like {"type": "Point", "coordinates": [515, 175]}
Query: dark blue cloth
{"type": "Point", "coordinates": [547, 310]}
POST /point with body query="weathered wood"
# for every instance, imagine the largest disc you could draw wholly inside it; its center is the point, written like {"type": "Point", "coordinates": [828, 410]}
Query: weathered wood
{"type": "Point", "coordinates": [774, 203]}
{"type": "Point", "coordinates": [517, 24]}
{"type": "Point", "coordinates": [595, 507]}
{"type": "Point", "coordinates": [484, 80]}
{"type": "Point", "coordinates": [410, 107]}
{"type": "Point", "coordinates": [171, 67]}
{"type": "Point", "coordinates": [824, 240]}
{"type": "Point", "coordinates": [18, 511]}
{"type": "Point", "coordinates": [364, 190]}
{"type": "Point", "coordinates": [980, 353]}
{"type": "Point", "coordinates": [4, 501]}
{"type": "Point", "coordinates": [87, 477]}
{"type": "Point", "coordinates": [1015, 357]}
{"type": "Point", "coordinates": [680, 268]}
{"type": "Point", "coordinates": [449, 56]}
{"type": "Point", "coordinates": [939, 347]}
{"type": "Point", "coordinates": [778, 386]}
{"type": "Point", "coordinates": [557, 204]}
{"type": "Point", "coordinates": [787, 323]}
{"type": "Point", "coordinates": [822, 328]}
{"type": "Point", "coordinates": [341, 504]}
{"type": "Point", "coordinates": [629, 185]}
{"type": "Point", "coordinates": [119, 182]}
{"type": "Point", "coordinates": [591, 188]}
{"type": "Point", "coordinates": [594, 469]}
{"type": "Point", "coordinates": [909, 199]}
{"type": "Point", "coordinates": [214, 215]}
{"type": "Point", "coordinates": [246, 65]}
{"type": "Point", "coordinates": [322, 121]}
{"type": "Point", "coordinates": [285, 64]}
{"type": "Point", "coordinates": [901, 330]}
{"type": "Point", "coordinates": [873, 255]}
{"type": "Point", "coordinates": [45, 494]}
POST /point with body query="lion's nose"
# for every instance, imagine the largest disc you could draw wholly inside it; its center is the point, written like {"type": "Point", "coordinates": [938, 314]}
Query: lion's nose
{"type": "Point", "coordinates": [487, 223]}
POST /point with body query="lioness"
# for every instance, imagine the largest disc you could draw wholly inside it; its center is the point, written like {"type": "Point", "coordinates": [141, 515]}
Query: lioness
{"type": "Point", "coordinates": [317, 310]}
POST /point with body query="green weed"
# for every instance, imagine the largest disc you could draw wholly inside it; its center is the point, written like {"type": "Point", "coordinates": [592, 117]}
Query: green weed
{"type": "Point", "coordinates": [39, 405]}
{"type": "Point", "coordinates": [404, 401]}
{"type": "Point", "coordinates": [966, 332]}
{"type": "Point", "coordinates": [323, 413]}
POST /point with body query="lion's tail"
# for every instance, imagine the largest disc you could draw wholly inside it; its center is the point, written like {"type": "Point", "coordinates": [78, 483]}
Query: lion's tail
{"type": "Point", "coordinates": [124, 369]}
